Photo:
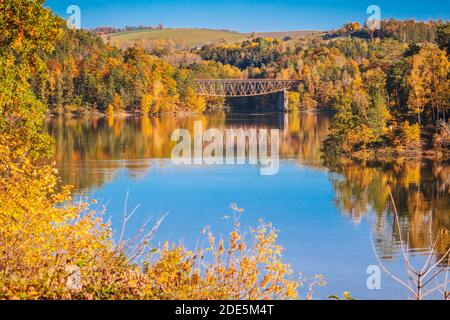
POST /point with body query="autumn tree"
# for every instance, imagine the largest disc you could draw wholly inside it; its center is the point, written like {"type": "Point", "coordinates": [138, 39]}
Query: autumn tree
{"type": "Point", "coordinates": [377, 113]}
{"type": "Point", "coordinates": [410, 135]}
{"type": "Point", "coordinates": [116, 104]}
{"type": "Point", "coordinates": [26, 27]}
{"type": "Point", "coordinates": [428, 82]}
{"type": "Point", "coordinates": [443, 37]}
{"type": "Point", "coordinates": [294, 100]}
{"type": "Point", "coordinates": [193, 102]}
{"type": "Point", "coordinates": [146, 103]}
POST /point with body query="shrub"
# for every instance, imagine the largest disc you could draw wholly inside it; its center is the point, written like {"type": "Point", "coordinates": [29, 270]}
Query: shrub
{"type": "Point", "coordinates": [441, 138]}
{"type": "Point", "coordinates": [239, 269]}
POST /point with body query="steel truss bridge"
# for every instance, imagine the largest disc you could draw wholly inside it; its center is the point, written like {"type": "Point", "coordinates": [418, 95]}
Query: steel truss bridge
{"type": "Point", "coordinates": [244, 87]}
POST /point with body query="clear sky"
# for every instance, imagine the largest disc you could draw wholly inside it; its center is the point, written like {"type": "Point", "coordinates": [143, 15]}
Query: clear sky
{"type": "Point", "coordinates": [248, 15]}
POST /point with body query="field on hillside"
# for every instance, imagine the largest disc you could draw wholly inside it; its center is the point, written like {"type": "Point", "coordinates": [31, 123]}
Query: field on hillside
{"type": "Point", "coordinates": [182, 39]}
{"type": "Point", "coordinates": [291, 34]}
{"type": "Point", "coordinates": [188, 38]}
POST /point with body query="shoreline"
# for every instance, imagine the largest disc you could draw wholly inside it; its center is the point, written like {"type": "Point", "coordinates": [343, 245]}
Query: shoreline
{"type": "Point", "coordinates": [99, 114]}
{"type": "Point", "coordinates": [381, 155]}
{"type": "Point", "coordinates": [389, 155]}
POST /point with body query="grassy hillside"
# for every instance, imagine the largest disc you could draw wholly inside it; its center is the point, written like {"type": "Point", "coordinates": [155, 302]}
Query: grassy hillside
{"type": "Point", "coordinates": [190, 38]}
{"type": "Point", "coordinates": [183, 37]}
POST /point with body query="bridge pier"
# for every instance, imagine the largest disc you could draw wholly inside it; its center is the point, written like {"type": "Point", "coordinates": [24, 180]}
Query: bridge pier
{"type": "Point", "coordinates": [283, 101]}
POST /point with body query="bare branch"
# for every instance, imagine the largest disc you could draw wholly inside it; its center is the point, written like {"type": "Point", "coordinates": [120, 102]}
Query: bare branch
{"type": "Point", "coordinates": [397, 219]}
{"type": "Point", "coordinates": [387, 271]}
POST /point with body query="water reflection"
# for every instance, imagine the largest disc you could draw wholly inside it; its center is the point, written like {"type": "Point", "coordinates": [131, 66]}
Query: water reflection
{"type": "Point", "coordinates": [89, 150]}
{"type": "Point", "coordinates": [94, 152]}
{"type": "Point", "coordinates": [421, 195]}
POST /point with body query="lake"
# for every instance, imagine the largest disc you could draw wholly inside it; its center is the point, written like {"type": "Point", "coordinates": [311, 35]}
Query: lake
{"type": "Point", "coordinates": [326, 216]}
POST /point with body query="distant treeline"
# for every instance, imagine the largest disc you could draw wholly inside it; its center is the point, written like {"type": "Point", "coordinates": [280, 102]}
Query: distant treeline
{"type": "Point", "coordinates": [248, 54]}
{"type": "Point", "coordinates": [405, 31]}
{"type": "Point", "coordinates": [109, 30]}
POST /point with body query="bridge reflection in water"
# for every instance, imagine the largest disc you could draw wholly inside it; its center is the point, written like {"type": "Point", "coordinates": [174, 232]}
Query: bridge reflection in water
{"type": "Point", "coordinates": [90, 151]}
{"type": "Point", "coordinates": [248, 88]}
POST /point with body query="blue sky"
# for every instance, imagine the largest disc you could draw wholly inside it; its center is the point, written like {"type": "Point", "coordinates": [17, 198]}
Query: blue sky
{"type": "Point", "coordinates": [246, 16]}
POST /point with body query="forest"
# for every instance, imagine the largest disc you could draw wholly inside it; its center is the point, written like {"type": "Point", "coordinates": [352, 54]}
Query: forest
{"type": "Point", "coordinates": [85, 74]}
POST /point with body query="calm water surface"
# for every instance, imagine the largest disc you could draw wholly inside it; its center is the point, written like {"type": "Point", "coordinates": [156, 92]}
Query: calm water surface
{"type": "Point", "coordinates": [326, 217]}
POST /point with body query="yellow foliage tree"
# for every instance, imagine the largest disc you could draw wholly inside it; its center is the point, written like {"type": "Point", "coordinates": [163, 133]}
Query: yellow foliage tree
{"type": "Point", "coordinates": [410, 135]}
{"type": "Point", "coordinates": [146, 104]}
{"type": "Point", "coordinates": [294, 100]}
{"type": "Point", "coordinates": [193, 102]}
{"type": "Point", "coordinates": [428, 81]}
{"type": "Point", "coordinates": [116, 106]}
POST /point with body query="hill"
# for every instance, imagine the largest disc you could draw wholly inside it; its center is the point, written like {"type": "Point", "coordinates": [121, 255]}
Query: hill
{"type": "Point", "coordinates": [183, 38]}
{"type": "Point", "coordinates": [188, 38]}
